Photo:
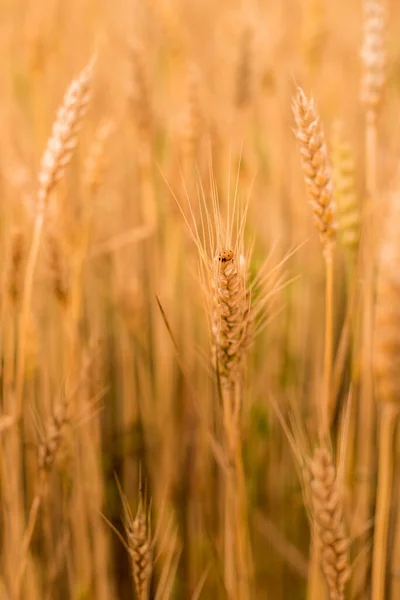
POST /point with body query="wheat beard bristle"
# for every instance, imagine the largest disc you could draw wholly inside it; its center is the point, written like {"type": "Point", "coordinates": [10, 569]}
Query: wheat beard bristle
{"type": "Point", "coordinates": [329, 523]}
{"type": "Point", "coordinates": [231, 318]}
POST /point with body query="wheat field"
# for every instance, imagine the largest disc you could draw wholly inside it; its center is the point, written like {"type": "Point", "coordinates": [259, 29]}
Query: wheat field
{"type": "Point", "coordinates": [200, 306]}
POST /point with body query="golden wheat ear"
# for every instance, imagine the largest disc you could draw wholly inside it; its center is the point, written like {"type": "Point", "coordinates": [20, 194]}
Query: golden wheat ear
{"type": "Point", "coordinates": [345, 191]}
{"type": "Point", "coordinates": [63, 139]}
{"type": "Point", "coordinates": [373, 55]}
{"type": "Point", "coordinates": [317, 173]}
{"type": "Point", "coordinates": [328, 522]}
{"type": "Point", "coordinates": [139, 542]}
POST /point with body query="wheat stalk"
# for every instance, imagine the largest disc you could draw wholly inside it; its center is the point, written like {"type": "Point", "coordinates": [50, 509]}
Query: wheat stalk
{"type": "Point", "coordinates": [386, 363]}
{"type": "Point", "coordinates": [373, 56]}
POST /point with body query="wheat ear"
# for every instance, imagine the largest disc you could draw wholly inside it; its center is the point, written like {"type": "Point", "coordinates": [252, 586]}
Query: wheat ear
{"type": "Point", "coordinates": [231, 318]}
{"type": "Point", "coordinates": [140, 548]}
{"type": "Point", "coordinates": [373, 55]}
{"type": "Point", "coordinates": [329, 522]}
{"type": "Point", "coordinates": [345, 191]}
{"type": "Point", "coordinates": [56, 156]}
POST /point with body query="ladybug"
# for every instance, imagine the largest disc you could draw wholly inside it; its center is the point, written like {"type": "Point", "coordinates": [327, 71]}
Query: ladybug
{"type": "Point", "coordinates": [225, 256]}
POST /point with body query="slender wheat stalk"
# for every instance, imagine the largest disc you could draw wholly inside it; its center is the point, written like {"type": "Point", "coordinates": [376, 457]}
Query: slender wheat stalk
{"type": "Point", "coordinates": [373, 57]}
{"type": "Point", "coordinates": [386, 362]}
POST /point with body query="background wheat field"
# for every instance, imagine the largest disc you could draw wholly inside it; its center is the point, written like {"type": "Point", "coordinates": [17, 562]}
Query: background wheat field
{"type": "Point", "coordinates": [200, 299]}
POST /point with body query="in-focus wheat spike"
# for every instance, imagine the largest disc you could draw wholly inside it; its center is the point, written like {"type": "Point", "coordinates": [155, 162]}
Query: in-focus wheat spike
{"type": "Point", "coordinates": [373, 54]}
{"type": "Point", "coordinates": [317, 173]}
{"type": "Point", "coordinates": [344, 189]}
{"type": "Point", "coordinates": [231, 317]}
{"type": "Point", "coordinates": [53, 438]}
{"type": "Point", "coordinates": [140, 97]}
{"type": "Point", "coordinates": [387, 314]}
{"type": "Point", "coordinates": [328, 521]}
{"type": "Point", "coordinates": [17, 254]}
{"type": "Point", "coordinates": [63, 139]}
{"type": "Point", "coordinates": [243, 89]}
{"type": "Point", "coordinates": [140, 548]}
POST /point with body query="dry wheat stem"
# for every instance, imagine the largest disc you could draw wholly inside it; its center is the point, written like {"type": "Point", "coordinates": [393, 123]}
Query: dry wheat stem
{"type": "Point", "coordinates": [388, 422]}
{"type": "Point", "coordinates": [328, 353]}
{"type": "Point", "coordinates": [386, 361]}
{"type": "Point", "coordinates": [373, 55]}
